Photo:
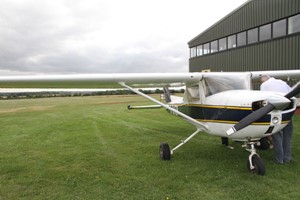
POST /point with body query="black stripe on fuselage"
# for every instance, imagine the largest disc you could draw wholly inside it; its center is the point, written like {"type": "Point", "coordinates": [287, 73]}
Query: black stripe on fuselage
{"type": "Point", "coordinates": [225, 114]}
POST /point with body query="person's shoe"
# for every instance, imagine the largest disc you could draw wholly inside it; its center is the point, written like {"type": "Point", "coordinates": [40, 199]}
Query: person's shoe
{"type": "Point", "coordinates": [279, 163]}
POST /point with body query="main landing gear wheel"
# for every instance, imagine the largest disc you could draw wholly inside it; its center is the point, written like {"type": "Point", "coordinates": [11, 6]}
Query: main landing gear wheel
{"type": "Point", "coordinates": [164, 151]}
{"type": "Point", "coordinates": [258, 164]}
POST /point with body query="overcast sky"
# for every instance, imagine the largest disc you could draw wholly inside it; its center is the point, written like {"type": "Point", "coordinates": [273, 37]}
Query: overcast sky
{"type": "Point", "coordinates": [102, 36]}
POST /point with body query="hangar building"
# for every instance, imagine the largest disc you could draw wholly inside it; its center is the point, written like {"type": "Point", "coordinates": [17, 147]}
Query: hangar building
{"type": "Point", "coordinates": [259, 35]}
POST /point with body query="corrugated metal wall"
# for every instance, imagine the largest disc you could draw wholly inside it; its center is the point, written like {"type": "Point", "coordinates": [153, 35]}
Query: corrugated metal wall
{"type": "Point", "coordinates": [253, 13]}
{"type": "Point", "coordinates": [276, 54]}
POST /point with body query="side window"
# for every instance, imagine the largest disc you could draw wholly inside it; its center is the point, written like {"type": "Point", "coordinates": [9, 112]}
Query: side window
{"type": "Point", "coordinates": [231, 41]}
{"type": "Point", "coordinates": [214, 46]}
{"type": "Point", "coordinates": [206, 49]}
{"type": "Point", "coordinates": [199, 50]}
{"type": "Point", "coordinates": [241, 39]}
{"type": "Point", "coordinates": [193, 93]}
{"type": "Point", "coordinates": [222, 44]}
{"type": "Point", "coordinates": [265, 32]}
{"type": "Point", "coordinates": [279, 28]}
{"type": "Point", "coordinates": [193, 52]}
{"type": "Point", "coordinates": [260, 33]}
{"type": "Point", "coordinates": [294, 24]}
{"type": "Point", "coordinates": [253, 36]}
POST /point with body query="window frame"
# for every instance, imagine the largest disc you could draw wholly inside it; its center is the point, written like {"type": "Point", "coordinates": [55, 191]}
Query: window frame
{"type": "Point", "coordinates": [235, 41]}
{"type": "Point", "coordinates": [214, 46]}
{"type": "Point", "coordinates": [279, 34]}
{"type": "Point", "coordinates": [200, 52]}
{"type": "Point", "coordinates": [289, 24]}
{"type": "Point", "coordinates": [219, 46]}
{"type": "Point", "coordinates": [244, 41]}
{"type": "Point", "coordinates": [260, 32]}
{"type": "Point", "coordinates": [249, 36]}
{"type": "Point", "coordinates": [206, 50]}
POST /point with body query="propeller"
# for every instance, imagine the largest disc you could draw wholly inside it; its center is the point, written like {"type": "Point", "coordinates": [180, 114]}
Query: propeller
{"type": "Point", "coordinates": [274, 102]}
{"type": "Point", "coordinates": [294, 91]}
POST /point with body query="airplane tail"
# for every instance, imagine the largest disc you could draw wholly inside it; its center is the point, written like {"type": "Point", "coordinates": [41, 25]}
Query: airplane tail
{"type": "Point", "coordinates": [171, 99]}
{"type": "Point", "coordinates": [167, 94]}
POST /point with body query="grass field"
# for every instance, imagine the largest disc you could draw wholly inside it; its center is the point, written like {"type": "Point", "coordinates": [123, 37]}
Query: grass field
{"type": "Point", "coordinates": [94, 148]}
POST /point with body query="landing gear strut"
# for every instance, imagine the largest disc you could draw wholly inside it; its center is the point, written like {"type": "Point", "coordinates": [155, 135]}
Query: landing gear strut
{"type": "Point", "coordinates": [164, 149]}
{"type": "Point", "coordinates": [255, 164]}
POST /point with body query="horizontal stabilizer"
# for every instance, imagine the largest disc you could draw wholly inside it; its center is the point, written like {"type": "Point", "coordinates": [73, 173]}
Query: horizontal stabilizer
{"type": "Point", "coordinates": [143, 107]}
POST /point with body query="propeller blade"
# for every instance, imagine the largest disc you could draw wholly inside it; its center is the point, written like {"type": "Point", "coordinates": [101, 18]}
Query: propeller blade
{"type": "Point", "coordinates": [274, 102]}
{"type": "Point", "coordinates": [294, 92]}
{"type": "Point", "coordinates": [256, 115]}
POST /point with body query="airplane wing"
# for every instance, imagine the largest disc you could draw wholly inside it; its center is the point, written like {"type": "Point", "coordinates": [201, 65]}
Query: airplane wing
{"type": "Point", "coordinates": [283, 74]}
{"type": "Point", "coordinates": [95, 80]}
{"type": "Point", "coordinates": [126, 79]}
{"type": "Point", "coordinates": [91, 80]}
{"type": "Point", "coordinates": [103, 80]}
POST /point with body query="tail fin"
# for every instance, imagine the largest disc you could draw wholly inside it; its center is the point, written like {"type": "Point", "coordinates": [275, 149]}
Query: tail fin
{"type": "Point", "coordinates": [167, 94]}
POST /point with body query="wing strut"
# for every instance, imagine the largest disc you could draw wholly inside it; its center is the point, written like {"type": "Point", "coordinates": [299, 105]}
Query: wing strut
{"type": "Point", "coordinates": [185, 141]}
{"type": "Point", "coordinates": [200, 126]}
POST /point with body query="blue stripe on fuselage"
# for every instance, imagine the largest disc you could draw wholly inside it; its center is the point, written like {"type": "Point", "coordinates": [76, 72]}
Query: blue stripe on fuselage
{"type": "Point", "coordinates": [224, 114]}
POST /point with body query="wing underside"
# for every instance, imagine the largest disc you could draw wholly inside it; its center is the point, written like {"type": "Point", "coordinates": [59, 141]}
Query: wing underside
{"type": "Point", "coordinates": [100, 80]}
{"type": "Point", "coordinates": [127, 80]}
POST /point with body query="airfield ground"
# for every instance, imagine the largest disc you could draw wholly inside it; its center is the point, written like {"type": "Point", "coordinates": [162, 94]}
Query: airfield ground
{"type": "Point", "coordinates": [94, 148]}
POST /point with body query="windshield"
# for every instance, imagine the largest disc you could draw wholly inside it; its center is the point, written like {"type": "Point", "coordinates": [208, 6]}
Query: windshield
{"type": "Point", "coordinates": [216, 83]}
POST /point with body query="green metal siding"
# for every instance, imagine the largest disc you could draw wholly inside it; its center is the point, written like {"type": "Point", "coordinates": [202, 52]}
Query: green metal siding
{"type": "Point", "coordinates": [280, 54]}
{"type": "Point", "coordinates": [253, 13]}
{"type": "Point", "coordinates": [275, 54]}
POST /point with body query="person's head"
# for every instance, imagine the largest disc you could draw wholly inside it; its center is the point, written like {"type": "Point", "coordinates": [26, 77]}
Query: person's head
{"type": "Point", "coordinates": [264, 78]}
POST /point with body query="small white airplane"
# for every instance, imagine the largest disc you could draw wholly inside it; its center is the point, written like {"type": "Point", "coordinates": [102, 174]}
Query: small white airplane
{"type": "Point", "coordinates": [219, 103]}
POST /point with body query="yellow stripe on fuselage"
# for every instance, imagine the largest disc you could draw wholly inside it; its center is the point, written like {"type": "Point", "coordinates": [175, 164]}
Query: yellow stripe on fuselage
{"type": "Point", "coordinates": [235, 122]}
{"type": "Point", "coordinates": [219, 106]}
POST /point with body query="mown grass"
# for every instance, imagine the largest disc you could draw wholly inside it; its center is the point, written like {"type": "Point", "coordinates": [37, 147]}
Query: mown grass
{"type": "Point", "coordinates": [94, 148]}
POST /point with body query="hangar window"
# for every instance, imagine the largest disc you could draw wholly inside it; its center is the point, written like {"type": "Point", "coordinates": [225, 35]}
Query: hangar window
{"type": "Point", "coordinates": [231, 41]}
{"type": "Point", "coordinates": [273, 30]}
{"type": "Point", "coordinates": [294, 24]}
{"type": "Point", "coordinates": [279, 28]}
{"type": "Point", "coordinates": [253, 36]}
{"type": "Point", "coordinates": [206, 49]}
{"type": "Point", "coordinates": [214, 46]}
{"type": "Point", "coordinates": [265, 32]}
{"type": "Point", "coordinates": [193, 52]}
{"type": "Point", "coordinates": [222, 44]}
{"type": "Point", "coordinates": [199, 50]}
{"type": "Point", "coordinates": [241, 39]}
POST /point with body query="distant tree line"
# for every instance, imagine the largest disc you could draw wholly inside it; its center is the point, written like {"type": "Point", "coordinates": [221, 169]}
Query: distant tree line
{"type": "Point", "coordinates": [31, 95]}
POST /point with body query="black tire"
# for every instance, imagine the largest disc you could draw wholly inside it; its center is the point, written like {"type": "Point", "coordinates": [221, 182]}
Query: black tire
{"type": "Point", "coordinates": [164, 151]}
{"type": "Point", "coordinates": [259, 166]}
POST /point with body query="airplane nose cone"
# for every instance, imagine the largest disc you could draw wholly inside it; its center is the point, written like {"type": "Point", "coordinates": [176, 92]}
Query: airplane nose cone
{"type": "Point", "coordinates": [280, 102]}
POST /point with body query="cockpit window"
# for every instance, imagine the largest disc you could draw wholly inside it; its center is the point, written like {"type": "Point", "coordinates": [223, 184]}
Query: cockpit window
{"type": "Point", "coordinates": [219, 83]}
{"type": "Point", "coordinates": [193, 92]}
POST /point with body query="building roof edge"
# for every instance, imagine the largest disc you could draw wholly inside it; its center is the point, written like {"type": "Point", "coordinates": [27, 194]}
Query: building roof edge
{"type": "Point", "coordinates": [235, 10]}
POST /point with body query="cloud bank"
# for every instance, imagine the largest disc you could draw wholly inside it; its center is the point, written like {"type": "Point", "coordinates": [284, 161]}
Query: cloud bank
{"type": "Point", "coordinates": [102, 36]}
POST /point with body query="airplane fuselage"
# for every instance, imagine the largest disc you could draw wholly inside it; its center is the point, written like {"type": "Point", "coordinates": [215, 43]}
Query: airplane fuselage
{"type": "Point", "coordinates": [223, 110]}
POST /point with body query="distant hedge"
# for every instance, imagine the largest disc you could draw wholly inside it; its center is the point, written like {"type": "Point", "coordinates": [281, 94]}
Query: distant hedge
{"type": "Point", "coordinates": [30, 95]}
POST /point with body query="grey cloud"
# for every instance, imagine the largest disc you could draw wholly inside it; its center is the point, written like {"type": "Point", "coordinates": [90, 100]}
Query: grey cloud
{"type": "Point", "coordinates": [100, 61]}
{"type": "Point", "coordinates": [75, 36]}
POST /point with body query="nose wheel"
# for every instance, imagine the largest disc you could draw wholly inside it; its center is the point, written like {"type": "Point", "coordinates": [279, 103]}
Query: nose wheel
{"type": "Point", "coordinates": [255, 164]}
